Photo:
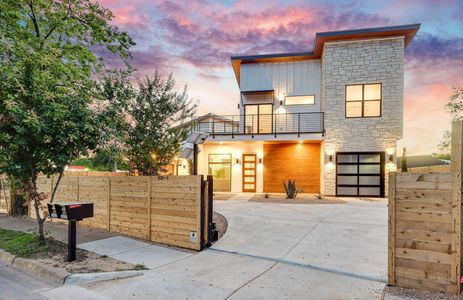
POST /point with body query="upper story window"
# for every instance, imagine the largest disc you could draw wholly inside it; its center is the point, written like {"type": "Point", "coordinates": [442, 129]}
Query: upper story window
{"type": "Point", "coordinates": [363, 100]}
{"type": "Point", "coordinates": [300, 100]}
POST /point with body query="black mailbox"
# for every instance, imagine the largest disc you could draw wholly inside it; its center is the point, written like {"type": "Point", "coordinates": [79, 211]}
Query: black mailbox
{"type": "Point", "coordinates": [73, 212]}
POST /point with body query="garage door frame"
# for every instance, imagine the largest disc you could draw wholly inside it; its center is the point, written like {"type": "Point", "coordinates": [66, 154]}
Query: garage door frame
{"type": "Point", "coordinates": [358, 174]}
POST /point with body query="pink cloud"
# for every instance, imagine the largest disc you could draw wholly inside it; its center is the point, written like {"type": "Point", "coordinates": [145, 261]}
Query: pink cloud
{"type": "Point", "coordinates": [195, 39]}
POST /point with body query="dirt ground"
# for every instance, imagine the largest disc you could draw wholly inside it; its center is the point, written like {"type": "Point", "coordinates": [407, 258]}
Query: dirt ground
{"type": "Point", "coordinates": [300, 199]}
{"type": "Point", "coordinates": [418, 294]}
{"type": "Point", "coordinates": [86, 262]}
{"type": "Point", "coordinates": [221, 224]}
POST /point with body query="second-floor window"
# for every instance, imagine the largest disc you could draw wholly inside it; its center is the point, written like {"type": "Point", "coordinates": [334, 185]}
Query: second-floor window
{"type": "Point", "coordinates": [363, 100]}
{"type": "Point", "coordinates": [300, 100]}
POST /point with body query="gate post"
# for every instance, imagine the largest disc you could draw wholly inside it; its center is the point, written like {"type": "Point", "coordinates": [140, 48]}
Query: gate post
{"type": "Point", "coordinates": [456, 169]}
{"type": "Point", "coordinates": [210, 209]}
{"type": "Point", "coordinates": [391, 229]}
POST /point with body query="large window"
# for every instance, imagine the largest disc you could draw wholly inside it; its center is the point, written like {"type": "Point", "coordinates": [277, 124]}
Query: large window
{"type": "Point", "coordinates": [220, 169]}
{"type": "Point", "coordinates": [363, 100]}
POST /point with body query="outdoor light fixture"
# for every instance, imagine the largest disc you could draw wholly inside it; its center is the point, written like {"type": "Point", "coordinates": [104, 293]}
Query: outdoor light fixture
{"type": "Point", "coordinates": [260, 160]}
{"type": "Point", "coordinates": [391, 157]}
{"type": "Point", "coordinates": [330, 158]}
{"type": "Point", "coordinates": [237, 161]}
{"type": "Point", "coordinates": [281, 102]}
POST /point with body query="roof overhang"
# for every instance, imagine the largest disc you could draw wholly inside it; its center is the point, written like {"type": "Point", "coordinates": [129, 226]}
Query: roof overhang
{"type": "Point", "coordinates": [406, 31]}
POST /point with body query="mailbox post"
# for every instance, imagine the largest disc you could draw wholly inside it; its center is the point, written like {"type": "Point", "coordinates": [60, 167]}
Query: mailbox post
{"type": "Point", "coordinates": [72, 237]}
{"type": "Point", "coordinates": [73, 212]}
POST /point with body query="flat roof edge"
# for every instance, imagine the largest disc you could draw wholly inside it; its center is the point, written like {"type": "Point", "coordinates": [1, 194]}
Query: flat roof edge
{"type": "Point", "coordinates": [368, 30]}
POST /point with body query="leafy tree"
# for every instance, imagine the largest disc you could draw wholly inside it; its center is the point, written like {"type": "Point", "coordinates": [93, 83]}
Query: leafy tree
{"type": "Point", "coordinates": [154, 128]}
{"type": "Point", "coordinates": [48, 68]}
{"type": "Point", "coordinates": [116, 94]}
{"type": "Point", "coordinates": [455, 109]}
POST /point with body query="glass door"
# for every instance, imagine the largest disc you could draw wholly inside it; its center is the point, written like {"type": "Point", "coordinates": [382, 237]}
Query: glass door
{"type": "Point", "coordinates": [220, 169]}
{"type": "Point", "coordinates": [258, 118]}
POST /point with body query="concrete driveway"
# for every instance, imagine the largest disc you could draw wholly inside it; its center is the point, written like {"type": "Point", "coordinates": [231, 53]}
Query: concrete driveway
{"type": "Point", "coordinates": [270, 251]}
{"type": "Point", "coordinates": [347, 238]}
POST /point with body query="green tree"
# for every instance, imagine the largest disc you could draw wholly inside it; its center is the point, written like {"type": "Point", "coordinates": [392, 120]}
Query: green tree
{"type": "Point", "coordinates": [116, 94]}
{"type": "Point", "coordinates": [455, 109]}
{"type": "Point", "coordinates": [48, 68]}
{"type": "Point", "coordinates": [154, 128]}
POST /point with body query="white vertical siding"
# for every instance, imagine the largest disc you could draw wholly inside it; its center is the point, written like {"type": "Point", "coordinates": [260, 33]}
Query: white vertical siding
{"type": "Point", "coordinates": [285, 78]}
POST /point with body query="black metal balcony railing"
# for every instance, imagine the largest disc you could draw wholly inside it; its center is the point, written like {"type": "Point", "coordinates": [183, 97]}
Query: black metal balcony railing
{"type": "Point", "coordinates": [308, 122]}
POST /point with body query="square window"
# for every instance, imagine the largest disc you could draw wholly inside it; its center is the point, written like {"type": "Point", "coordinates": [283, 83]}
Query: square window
{"type": "Point", "coordinates": [363, 100]}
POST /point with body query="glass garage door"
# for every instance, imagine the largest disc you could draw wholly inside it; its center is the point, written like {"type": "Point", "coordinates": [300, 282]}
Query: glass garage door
{"type": "Point", "coordinates": [360, 174]}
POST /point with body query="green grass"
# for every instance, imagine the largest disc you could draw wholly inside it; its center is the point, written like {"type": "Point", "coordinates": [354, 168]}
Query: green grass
{"type": "Point", "coordinates": [21, 244]}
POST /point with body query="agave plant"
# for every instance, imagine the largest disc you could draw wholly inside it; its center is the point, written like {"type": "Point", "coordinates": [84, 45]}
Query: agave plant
{"type": "Point", "coordinates": [290, 188]}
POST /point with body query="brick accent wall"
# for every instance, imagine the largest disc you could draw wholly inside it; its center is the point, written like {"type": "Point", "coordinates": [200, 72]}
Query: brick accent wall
{"type": "Point", "coordinates": [361, 62]}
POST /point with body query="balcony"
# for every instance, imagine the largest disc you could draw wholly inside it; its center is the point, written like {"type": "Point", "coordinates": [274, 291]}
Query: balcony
{"type": "Point", "coordinates": [286, 123]}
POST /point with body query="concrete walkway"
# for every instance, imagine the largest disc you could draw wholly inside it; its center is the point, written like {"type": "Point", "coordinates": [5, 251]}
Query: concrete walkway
{"type": "Point", "coordinates": [271, 251]}
{"type": "Point", "coordinates": [136, 252]}
{"type": "Point", "coordinates": [59, 231]}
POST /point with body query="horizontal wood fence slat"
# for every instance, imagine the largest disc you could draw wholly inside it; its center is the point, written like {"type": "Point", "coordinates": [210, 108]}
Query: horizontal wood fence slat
{"type": "Point", "coordinates": [165, 210]}
{"type": "Point", "coordinates": [422, 251]}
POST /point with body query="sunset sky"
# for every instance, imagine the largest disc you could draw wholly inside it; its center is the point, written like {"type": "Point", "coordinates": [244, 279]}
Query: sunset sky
{"type": "Point", "coordinates": [195, 39]}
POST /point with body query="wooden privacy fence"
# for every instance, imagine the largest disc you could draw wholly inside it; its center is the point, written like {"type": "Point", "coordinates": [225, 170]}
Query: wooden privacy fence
{"type": "Point", "coordinates": [438, 169]}
{"type": "Point", "coordinates": [423, 232]}
{"type": "Point", "coordinates": [425, 211]}
{"type": "Point", "coordinates": [169, 210]}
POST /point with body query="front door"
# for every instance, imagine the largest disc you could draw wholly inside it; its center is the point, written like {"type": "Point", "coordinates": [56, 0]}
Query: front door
{"type": "Point", "coordinates": [249, 173]}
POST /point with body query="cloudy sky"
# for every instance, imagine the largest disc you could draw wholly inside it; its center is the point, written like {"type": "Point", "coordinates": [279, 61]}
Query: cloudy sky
{"type": "Point", "coordinates": [195, 39]}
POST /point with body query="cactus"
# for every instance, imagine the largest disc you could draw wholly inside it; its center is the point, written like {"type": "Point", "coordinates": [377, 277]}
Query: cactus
{"type": "Point", "coordinates": [290, 188]}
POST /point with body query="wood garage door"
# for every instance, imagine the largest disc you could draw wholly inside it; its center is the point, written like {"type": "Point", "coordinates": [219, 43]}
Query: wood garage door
{"type": "Point", "coordinates": [283, 161]}
{"type": "Point", "coordinates": [360, 174]}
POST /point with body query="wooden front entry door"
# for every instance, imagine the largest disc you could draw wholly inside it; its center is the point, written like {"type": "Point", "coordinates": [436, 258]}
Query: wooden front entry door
{"type": "Point", "coordinates": [249, 172]}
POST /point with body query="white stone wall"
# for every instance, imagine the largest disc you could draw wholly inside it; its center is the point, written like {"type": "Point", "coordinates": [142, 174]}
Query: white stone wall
{"type": "Point", "coordinates": [361, 62]}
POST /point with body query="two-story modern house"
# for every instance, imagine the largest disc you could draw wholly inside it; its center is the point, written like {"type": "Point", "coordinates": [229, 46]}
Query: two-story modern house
{"type": "Point", "coordinates": [329, 119]}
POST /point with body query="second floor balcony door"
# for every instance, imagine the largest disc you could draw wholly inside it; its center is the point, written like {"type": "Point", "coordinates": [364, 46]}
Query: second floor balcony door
{"type": "Point", "coordinates": [258, 118]}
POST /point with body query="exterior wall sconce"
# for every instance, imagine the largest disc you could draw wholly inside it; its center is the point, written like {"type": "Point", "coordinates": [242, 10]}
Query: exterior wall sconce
{"type": "Point", "coordinates": [391, 157]}
{"type": "Point", "coordinates": [237, 161]}
{"type": "Point", "coordinates": [330, 158]}
{"type": "Point", "coordinates": [281, 102]}
{"type": "Point", "coordinates": [260, 160]}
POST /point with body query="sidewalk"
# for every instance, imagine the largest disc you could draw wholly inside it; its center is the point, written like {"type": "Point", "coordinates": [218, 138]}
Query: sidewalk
{"type": "Point", "coordinates": [105, 243]}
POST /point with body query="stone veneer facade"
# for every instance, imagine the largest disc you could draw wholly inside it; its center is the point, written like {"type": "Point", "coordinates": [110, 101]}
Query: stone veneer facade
{"type": "Point", "coordinates": [361, 62]}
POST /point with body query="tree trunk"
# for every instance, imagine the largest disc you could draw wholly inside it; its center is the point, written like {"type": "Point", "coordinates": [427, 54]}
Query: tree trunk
{"type": "Point", "coordinates": [34, 196]}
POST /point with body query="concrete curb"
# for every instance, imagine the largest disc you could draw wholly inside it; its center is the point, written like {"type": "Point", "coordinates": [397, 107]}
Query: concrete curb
{"type": "Point", "coordinates": [33, 267]}
{"type": "Point", "coordinates": [97, 277]}
{"type": "Point", "coordinates": [6, 257]}
{"type": "Point", "coordinates": [40, 270]}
